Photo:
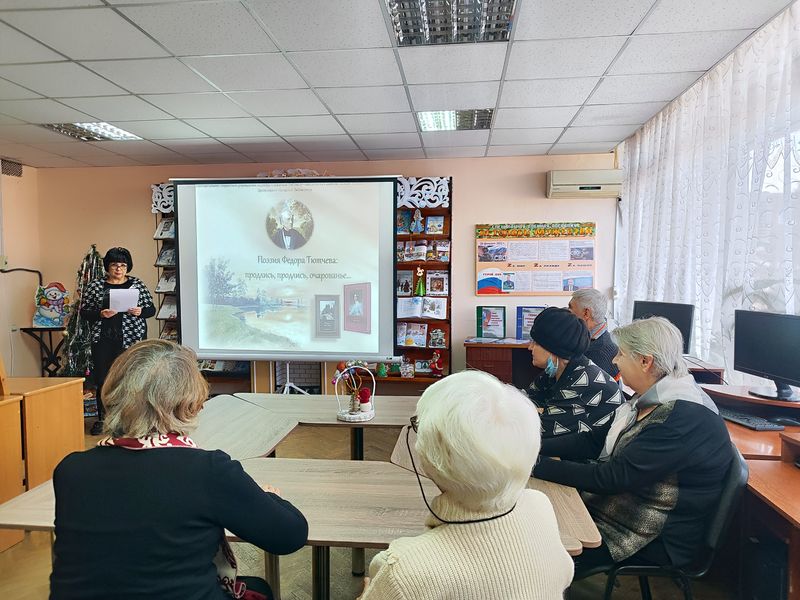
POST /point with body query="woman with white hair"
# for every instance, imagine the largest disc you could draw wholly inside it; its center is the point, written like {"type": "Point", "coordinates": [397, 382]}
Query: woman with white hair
{"type": "Point", "coordinates": [489, 537]}
{"type": "Point", "coordinates": [143, 514]}
{"type": "Point", "coordinates": [659, 465]}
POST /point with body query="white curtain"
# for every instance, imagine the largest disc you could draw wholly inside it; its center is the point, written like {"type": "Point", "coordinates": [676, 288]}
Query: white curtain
{"type": "Point", "coordinates": [710, 213]}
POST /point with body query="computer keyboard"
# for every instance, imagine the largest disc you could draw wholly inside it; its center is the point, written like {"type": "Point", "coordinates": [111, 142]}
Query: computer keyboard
{"type": "Point", "coordinates": [749, 421]}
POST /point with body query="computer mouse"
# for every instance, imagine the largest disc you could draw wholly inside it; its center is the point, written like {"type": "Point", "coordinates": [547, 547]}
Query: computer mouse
{"type": "Point", "coordinates": [786, 421]}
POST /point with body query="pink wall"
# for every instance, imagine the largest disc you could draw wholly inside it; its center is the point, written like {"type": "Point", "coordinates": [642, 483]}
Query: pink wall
{"type": "Point", "coordinates": [110, 206]}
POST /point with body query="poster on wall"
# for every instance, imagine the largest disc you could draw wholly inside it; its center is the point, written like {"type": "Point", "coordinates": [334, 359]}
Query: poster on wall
{"type": "Point", "coordinates": [534, 259]}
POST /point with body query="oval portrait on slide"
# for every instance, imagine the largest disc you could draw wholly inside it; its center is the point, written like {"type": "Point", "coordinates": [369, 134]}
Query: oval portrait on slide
{"type": "Point", "coordinates": [289, 224]}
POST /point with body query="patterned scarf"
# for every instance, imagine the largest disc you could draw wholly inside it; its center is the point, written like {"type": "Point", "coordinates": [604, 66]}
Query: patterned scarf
{"type": "Point", "coordinates": [224, 561]}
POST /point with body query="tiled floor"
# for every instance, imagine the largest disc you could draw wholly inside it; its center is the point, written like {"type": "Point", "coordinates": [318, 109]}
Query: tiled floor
{"type": "Point", "coordinates": [25, 568]}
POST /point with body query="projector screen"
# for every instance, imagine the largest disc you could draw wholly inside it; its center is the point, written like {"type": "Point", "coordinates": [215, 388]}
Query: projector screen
{"type": "Point", "coordinates": [286, 269]}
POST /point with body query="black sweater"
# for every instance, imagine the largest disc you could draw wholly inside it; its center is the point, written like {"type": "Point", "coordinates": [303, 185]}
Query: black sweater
{"type": "Point", "coordinates": [663, 478]}
{"type": "Point", "coordinates": [147, 524]}
{"type": "Point", "coordinates": [602, 351]}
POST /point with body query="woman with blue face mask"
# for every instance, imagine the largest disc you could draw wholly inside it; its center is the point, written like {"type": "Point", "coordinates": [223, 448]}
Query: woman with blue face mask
{"type": "Point", "coordinates": [573, 394]}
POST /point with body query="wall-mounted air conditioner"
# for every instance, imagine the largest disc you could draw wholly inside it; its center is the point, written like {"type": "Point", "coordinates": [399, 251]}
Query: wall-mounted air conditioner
{"type": "Point", "coordinates": [598, 183]}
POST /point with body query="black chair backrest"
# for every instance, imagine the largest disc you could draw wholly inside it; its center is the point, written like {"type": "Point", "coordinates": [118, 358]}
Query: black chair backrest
{"type": "Point", "coordinates": [735, 482]}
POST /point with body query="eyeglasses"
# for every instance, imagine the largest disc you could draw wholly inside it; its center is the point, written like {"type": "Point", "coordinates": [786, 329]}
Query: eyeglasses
{"type": "Point", "coordinates": [118, 266]}
{"type": "Point", "coordinates": [414, 420]}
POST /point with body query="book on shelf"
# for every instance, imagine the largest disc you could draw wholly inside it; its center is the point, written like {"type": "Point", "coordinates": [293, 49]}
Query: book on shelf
{"type": "Point", "coordinates": [525, 317]}
{"type": "Point", "coordinates": [409, 307]}
{"type": "Point", "coordinates": [166, 284]}
{"type": "Point", "coordinates": [169, 309]}
{"type": "Point", "coordinates": [415, 250]}
{"type": "Point", "coordinates": [491, 321]}
{"type": "Point", "coordinates": [437, 338]}
{"type": "Point", "coordinates": [403, 221]}
{"type": "Point", "coordinates": [434, 308]}
{"type": "Point", "coordinates": [401, 252]}
{"type": "Point", "coordinates": [434, 225]}
{"type": "Point", "coordinates": [405, 282]}
{"type": "Point", "coordinates": [442, 251]}
{"type": "Point", "coordinates": [166, 258]}
{"type": "Point", "coordinates": [170, 332]}
{"type": "Point", "coordinates": [165, 230]}
{"type": "Point", "coordinates": [437, 283]}
{"type": "Point", "coordinates": [412, 335]}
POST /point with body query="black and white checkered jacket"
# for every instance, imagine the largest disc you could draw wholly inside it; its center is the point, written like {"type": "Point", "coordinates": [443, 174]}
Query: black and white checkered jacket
{"type": "Point", "coordinates": [134, 329]}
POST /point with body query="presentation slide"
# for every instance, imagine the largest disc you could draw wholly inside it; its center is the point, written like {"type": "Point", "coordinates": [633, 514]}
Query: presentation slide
{"type": "Point", "coordinates": [287, 269]}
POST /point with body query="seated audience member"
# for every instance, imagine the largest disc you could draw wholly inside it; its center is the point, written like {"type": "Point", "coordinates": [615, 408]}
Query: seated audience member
{"type": "Point", "coordinates": [661, 461]}
{"type": "Point", "coordinates": [489, 537]}
{"type": "Point", "coordinates": [573, 394]}
{"type": "Point", "coordinates": [591, 307]}
{"type": "Point", "coordinates": [143, 514]}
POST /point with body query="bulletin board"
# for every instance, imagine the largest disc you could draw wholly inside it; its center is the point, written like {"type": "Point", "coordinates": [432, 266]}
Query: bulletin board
{"type": "Point", "coordinates": [534, 259]}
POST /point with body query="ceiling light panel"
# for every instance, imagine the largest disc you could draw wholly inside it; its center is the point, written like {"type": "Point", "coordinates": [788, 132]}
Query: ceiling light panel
{"type": "Point", "coordinates": [428, 22]}
{"type": "Point", "coordinates": [453, 120]}
{"type": "Point", "coordinates": [92, 132]}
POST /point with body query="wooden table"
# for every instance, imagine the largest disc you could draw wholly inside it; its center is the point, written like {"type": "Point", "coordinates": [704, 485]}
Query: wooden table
{"type": "Point", "coordinates": [52, 412]}
{"type": "Point", "coordinates": [12, 468]}
{"type": "Point", "coordinates": [757, 445]}
{"type": "Point", "coordinates": [347, 504]}
{"type": "Point", "coordinates": [739, 395]}
{"type": "Point", "coordinates": [241, 429]}
{"type": "Point", "coordinates": [390, 411]}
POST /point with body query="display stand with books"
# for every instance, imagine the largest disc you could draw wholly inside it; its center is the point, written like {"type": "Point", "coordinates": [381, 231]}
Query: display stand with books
{"type": "Point", "coordinates": [422, 278]}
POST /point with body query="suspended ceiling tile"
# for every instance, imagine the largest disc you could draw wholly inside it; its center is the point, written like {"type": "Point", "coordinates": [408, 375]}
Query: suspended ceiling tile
{"type": "Point", "coordinates": [547, 92]}
{"type": "Point", "coordinates": [545, 135]}
{"type": "Point", "coordinates": [336, 155]}
{"type": "Point", "coordinates": [604, 133]}
{"type": "Point", "coordinates": [617, 114]}
{"type": "Point", "coordinates": [534, 118]}
{"type": "Point", "coordinates": [202, 28]}
{"type": "Point", "coordinates": [111, 160]}
{"type": "Point", "coordinates": [669, 53]}
{"type": "Point", "coordinates": [519, 150]}
{"type": "Point", "coordinates": [436, 139]}
{"type": "Point", "coordinates": [465, 152]}
{"type": "Point", "coordinates": [110, 36]}
{"type": "Point", "coordinates": [10, 4]}
{"type": "Point", "coordinates": [116, 108]}
{"type": "Point", "coordinates": [583, 148]}
{"type": "Point", "coordinates": [160, 130]}
{"type": "Point", "coordinates": [59, 80]}
{"type": "Point", "coordinates": [278, 157]}
{"type": "Point", "coordinates": [379, 123]}
{"type": "Point", "coordinates": [318, 143]}
{"type": "Point", "coordinates": [30, 134]}
{"type": "Point", "coordinates": [453, 63]}
{"type": "Point", "coordinates": [257, 145]}
{"type": "Point", "coordinates": [54, 162]}
{"type": "Point", "coordinates": [375, 141]}
{"type": "Point", "coordinates": [581, 57]}
{"type": "Point", "coordinates": [578, 18]}
{"type": "Point", "coordinates": [365, 100]}
{"type": "Point", "coordinates": [278, 103]}
{"type": "Point", "coordinates": [166, 158]}
{"type": "Point", "coordinates": [621, 89]}
{"type": "Point", "coordinates": [191, 147]}
{"type": "Point", "coordinates": [132, 147]}
{"type": "Point", "coordinates": [454, 96]}
{"type": "Point", "coordinates": [311, 125]}
{"type": "Point", "coordinates": [673, 16]}
{"type": "Point", "coordinates": [322, 24]}
{"type": "Point", "coordinates": [74, 149]}
{"type": "Point", "coordinates": [247, 72]}
{"type": "Point", "coordinates": [196, 106]}
{"type": "Point", "coordinates": [395, 153]}
{"type": "Point", "coordinates": [41, 111]}
{"type": "Point", "coordinates": [12, 91]}
{"type": "Point", "coordinates": [151, 76]}
{"type": "Point", "coordinates": [16, 47]}
{"type": "Point", "coordinates": [233, 128]}
{"type": "Point", "coordinates": [341, 68]}
{"type": "Point", "coordinates": [6, 120]}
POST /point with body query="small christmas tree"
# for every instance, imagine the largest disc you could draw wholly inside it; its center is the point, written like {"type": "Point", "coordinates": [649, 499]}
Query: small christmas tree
{"type": "Point", "coordinates": [76, 354]}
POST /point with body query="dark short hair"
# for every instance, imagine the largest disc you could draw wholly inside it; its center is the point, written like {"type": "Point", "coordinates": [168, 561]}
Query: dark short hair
{"type": "Point", "coordinates": [117, 255]}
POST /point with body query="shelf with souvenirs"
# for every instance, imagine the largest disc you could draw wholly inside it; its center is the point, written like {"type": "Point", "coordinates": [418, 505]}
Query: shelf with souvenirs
{"type": "Point", "coordinates": [422, 282]}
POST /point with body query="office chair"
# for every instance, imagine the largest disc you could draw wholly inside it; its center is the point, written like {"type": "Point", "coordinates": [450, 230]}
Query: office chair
{"type": "Point", "coordinates": [735, 482]}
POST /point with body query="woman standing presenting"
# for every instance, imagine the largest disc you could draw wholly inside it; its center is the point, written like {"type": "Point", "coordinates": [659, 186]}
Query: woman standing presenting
{"type": "Point", "coordinates": [113, 332]}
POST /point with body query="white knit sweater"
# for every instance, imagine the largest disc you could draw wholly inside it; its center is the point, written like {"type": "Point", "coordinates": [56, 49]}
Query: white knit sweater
{"type": "Point", "coordinates": [516, 557]}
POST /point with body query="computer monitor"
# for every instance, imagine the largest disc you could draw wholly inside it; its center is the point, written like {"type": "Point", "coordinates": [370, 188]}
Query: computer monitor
{"type": "Point", "coordinates": [680, 315]}
{"type": "Point", "coordinates": [766, 345]}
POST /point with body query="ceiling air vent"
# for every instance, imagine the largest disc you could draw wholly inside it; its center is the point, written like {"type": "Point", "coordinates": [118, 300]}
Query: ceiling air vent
{"type": "Point", "coordinates": [11, 168]}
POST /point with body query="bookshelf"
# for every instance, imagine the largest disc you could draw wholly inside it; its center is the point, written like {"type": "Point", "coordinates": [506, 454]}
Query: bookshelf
{"type": "Point", "coordinates": [422, 278]}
